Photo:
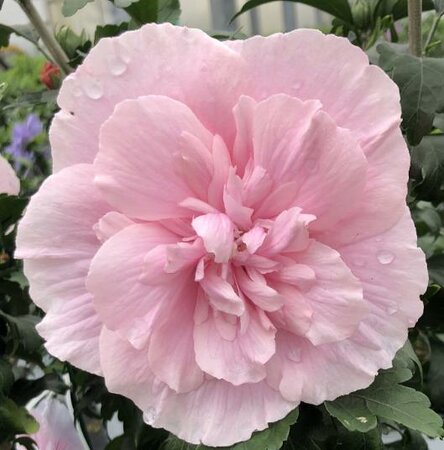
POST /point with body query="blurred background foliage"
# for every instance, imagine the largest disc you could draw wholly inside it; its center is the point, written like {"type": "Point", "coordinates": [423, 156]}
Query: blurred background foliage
{"type": "Point", "coordinates": [394, 412]}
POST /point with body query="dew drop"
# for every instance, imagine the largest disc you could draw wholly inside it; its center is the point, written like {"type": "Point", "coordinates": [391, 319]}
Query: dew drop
{"type": "Point", "coordinates": [93, 89]}
{"type": "Point", "coordinates": [385, 257]}
{"type": "Point", "coordinates": [294, 354]}
{"type": "Point", "coordinates": [117, 66]}
{"type": "Point", "coordinates": [150, 415]}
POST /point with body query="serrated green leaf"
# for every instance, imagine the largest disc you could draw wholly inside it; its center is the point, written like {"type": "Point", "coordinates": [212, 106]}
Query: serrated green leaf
{"type": "Point", "coordinates": [70, 7]}
{"type": "Point", "coordinates": [361, 441]}
{"type": "Point", "coordinates": [428, 166]}
{"type": "Point", "coordinates": [337, 8]}
{"type": "Point", "coordinates": [436, 268]}
{"type": "Point", "coordinates": [420, 84]}
{"type": "Point", "coordinates": [146, 11]}
{"type": "Point", "coordinates": [353, 413]}
{"type": "Point", "coordinates": [110, 30]}
{"type": "Point", "coordinates": [270, 439]}
{"type": "Point", "coordinates": [403, 405]}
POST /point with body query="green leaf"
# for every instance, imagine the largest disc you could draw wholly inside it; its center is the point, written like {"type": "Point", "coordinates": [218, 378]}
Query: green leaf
{"type": "Point", "coordinates": [270, 439]}
{"type": "Point", "coordinates": [146, 11]}
{"type": "Point", "coordinates": [337, 8]}
{"type": "Point", "coordinates": [389, 400]}
{"type": "Point", "coordinates": [70, 7]}
{"type": "Point", "coordinates": [5, 34]}
{"type": "Point", "coordinates": [352, 413]}
{"type": "Point", "coordinates": [400, 9]}
{"type": "Point", "coordinates": [110, 30]}
{"type": "Point", "coordinates": [23, 330]}
{"type": "Point", "coordinates": [436, 268]}
{"type": "Point", "coordinates": [435, 375]}
{"type": "Point", "coordinates": [403, 405]}
{"type": "Point", "coordinates": [15, 419]}
{"type": "Point", "coordinates": [421, 87]}
{"type": "Point", "coordinates": [11, 208]}
{"type": "Point", "coordinates": [6, 376]}
{"type": "Point", "coordinates": [428, 166]}
{"type": "Point", "coordinates": [361, 441]}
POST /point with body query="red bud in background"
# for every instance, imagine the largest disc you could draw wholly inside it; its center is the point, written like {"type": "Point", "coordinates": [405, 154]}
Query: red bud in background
{"type": "Point", "coordinates": [50, 76]}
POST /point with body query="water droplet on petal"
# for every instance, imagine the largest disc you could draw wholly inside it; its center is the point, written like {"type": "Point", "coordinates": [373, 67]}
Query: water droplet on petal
{"type": "Point", "coordinates": [93, 88]}
{"type": "Point", "coordinates": [385, 257]}
{"type": "Point", "coordinates": [150, 415]}
{"type": "Point", "coordinates": [294, 354]}
{"type": "Point", "coordinates": [117, 66]}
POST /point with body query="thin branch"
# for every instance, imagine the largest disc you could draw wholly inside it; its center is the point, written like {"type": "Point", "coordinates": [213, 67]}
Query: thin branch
{"type": "Point", "coordinates": [415, 36]}
{"type": "Point", "coordinates": [48, 39]}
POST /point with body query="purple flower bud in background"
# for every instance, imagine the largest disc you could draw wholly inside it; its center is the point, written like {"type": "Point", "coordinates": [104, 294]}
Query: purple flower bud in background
{"type": "Point", "coordinates": [23, 133]}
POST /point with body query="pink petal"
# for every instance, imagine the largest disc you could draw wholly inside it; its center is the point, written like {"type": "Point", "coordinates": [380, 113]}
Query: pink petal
{"type": "Point", "coordinates": [336, 298]}
{"type": "Point", "coordinates": [110, 224]}
{"type": "Point", "coordinates": [254, 286]}
{"type": "Point", "coordinates": [113, 71]}
{"type": "Point", "coordinates": [217, 233]}
{"type": "Point", "coordinates": [57, 241]}
{"type": "Point", "coordinates": [288, 233]}
{"type": "Point", "coordinates": [238, 358]}
{"type": "Point", "coordinates": [57, 430]}
{"type": "Point", "coordinates": [140, 183]}
{"type": "Point", "coordinates": [221, 170]}
{"type": "Point", "coordinates": [183, 255]}
{"type": "Point", "coordinates": [123, 300]}
{"type": "Point", "coordinates": [216, 414]}
{"type": "Point", "coordinates": [254, 238]}
{"type": "Point", "coordinates": [171, 349]}
{"type": "Point", "coordinates": [296, 143]}
{"type": "Point", "coordinates": [9, 183]}
{"type": "Point", "coordinates": [373, 120]}
{"type": "Point", "coordinates": [221, 294]}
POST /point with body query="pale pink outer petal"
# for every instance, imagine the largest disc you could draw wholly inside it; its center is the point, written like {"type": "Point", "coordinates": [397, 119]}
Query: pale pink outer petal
{"type": "Point", "coordinates": [237, 410]}
{"type": "Point", "coordinates": [57, 241]}
{"type": "Point", "coordinates": [304, 64]}
{"type": "Point", "coordinates": [208, 82]}
{"type": "Point", "coordinates": [9, 183]}
{"type": "Point", "coordinates": [122, 299]}
{"type": "Point", "coordinates": [57, 430]}
{"type": "Point", "coordinates": [296, 143]}
{"type": "Point", "coordinates": [336, 298]}
{"type": "Point", "coordinates": [136, 167]}
{"type": "Point", "coordinates": [391, 290]}
{"type": "Point", "coordinates": [238, 358]}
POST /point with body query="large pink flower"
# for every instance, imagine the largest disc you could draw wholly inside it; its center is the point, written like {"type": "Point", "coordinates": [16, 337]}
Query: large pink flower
{"type": "Point", "coordinates": [9, 183]}
{"type": "Point", "coordinates": [226, 233]}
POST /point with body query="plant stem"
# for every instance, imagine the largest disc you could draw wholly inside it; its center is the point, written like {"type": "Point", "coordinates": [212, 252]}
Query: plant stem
{"type": "Point", "coordinates": [415, 37]}
{"type": "Point", "coordinates": [432, 32]}
{"type": "Point", "coordinates": [48, 39]}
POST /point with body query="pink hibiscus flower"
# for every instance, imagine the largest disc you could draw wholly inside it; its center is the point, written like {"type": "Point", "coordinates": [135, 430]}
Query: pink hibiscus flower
{"type": "Point", "coordinates": [226, 233]}
{"type": "Point", "coordinates": [9, 183]}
